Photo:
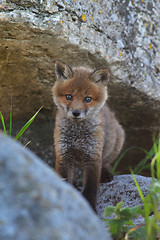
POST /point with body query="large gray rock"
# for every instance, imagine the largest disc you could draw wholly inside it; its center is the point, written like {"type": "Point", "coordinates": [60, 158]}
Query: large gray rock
{"type": "Point", "coordinates": [122, 189]}
{"type": "Point", "coordinates": [123, 35]}
{"type": "Point", "coordinates": [36, 205]}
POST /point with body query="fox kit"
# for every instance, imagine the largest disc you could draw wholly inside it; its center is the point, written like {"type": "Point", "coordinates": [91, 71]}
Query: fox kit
{"type": "Point", "coordinates": [86, 131]}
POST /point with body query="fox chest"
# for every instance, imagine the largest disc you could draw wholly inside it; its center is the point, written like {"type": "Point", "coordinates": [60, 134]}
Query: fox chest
{"type": "Point", "coordinates": [77, 141]}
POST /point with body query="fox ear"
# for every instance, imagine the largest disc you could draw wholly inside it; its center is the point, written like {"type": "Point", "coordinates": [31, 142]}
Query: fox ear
{"type": "Point", "coordinates": [62, 71]}
{"type": "Point", "coordinates": [101, 76]}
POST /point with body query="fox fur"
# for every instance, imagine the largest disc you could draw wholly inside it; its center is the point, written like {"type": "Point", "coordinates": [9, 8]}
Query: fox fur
{"type": "Point", "coordinates": [87, 132]}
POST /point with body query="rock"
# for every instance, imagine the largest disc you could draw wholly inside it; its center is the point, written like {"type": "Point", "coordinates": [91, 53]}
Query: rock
{"type": "Point", "coordinates": [125, 36]}
{"type": "Point", "coordinates": [35, 204]}
{"type": "Point", "coordinates": [122, 189]}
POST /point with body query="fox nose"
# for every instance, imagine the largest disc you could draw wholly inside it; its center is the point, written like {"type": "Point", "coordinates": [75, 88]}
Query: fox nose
{"type": "Point", "coordinates": [76, 113]}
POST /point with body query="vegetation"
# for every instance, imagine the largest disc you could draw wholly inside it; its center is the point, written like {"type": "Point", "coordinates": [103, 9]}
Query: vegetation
{"type": "Point", "coordinates": [23, 129]}
{"type": "Point", "coordinates": [120, 220]}
{"type": "Point", "coordinates": [144, 164]}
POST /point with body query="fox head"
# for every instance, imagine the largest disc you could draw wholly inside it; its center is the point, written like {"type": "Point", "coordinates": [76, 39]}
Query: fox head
{"type": "Point", "coordinates": [80, 92]}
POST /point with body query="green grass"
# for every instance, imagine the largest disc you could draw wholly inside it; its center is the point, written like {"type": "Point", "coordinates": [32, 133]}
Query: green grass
{"type": "Point", "coordinates": [23, 129]}
{"type": "Point", "coordinates": [3, 123]}
{"type": "Point", "coordinates": [145, 163]}
{"type": "Point", "coordinates": [120, 223]}
{"type": "Point", "coordinates": [117, 162]}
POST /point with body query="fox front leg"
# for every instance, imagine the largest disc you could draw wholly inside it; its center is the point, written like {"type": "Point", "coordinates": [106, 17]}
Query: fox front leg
{"type": "Point", "coordinates": [91, 181]}
{"type": "Point", "coordinates": [65, 171]}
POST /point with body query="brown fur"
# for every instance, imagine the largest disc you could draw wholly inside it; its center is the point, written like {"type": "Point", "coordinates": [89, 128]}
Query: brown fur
{"type": "Point", "coordinates": [86, 131]}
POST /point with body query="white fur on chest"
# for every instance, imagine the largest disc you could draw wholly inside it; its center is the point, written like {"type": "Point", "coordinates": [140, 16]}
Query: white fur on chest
{"type": "Point", "coordinates": [77, 138]}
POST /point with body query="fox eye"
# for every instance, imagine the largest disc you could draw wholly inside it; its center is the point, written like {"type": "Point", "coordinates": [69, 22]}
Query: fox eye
{"type": "Point", "coordinates": [88, 99]}
{"type": "Point", "coordinates": [69, 97]}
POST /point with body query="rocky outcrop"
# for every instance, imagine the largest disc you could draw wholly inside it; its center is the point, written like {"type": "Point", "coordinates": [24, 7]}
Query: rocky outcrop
{"type": "Point", "coordinates": [122, 189]}
{"type": "Point", "coordinates": [35, 204]}
{"type": "Point", "coordinates": [125, 36]}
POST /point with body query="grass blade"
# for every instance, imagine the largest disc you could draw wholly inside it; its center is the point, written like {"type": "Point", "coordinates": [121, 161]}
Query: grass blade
{"type": "Point", "coordinates": [27, 144]}
{"type": "Point", "coordinates": [138, 187]}
{"type": "Point", "coordinates": [26, 125]}
{"type": "Point", "coordinates": [158, 159]}
{"type": "Point", "coordinates": [152, 167]}
{"type": "Point", "coordinates": [119, 159]}
{"type": "Point", "coordinates": [10, 128]}
{"type": "Point", "coordinates": [141, 165]}
{"type": "Point", "coordinates": [3, 123]}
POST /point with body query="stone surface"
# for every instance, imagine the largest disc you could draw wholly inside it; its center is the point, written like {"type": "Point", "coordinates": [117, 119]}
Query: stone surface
{"type": "Point", "coordinates": [35, 204]}
{"type": "Point", "coordinates": [123, 35]}
{"type": "Point", "coordinates": [122, 189]}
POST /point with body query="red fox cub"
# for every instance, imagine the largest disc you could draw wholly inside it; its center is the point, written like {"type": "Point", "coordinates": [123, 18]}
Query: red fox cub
{"type": "Point", "coordinates": [86, 131]}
